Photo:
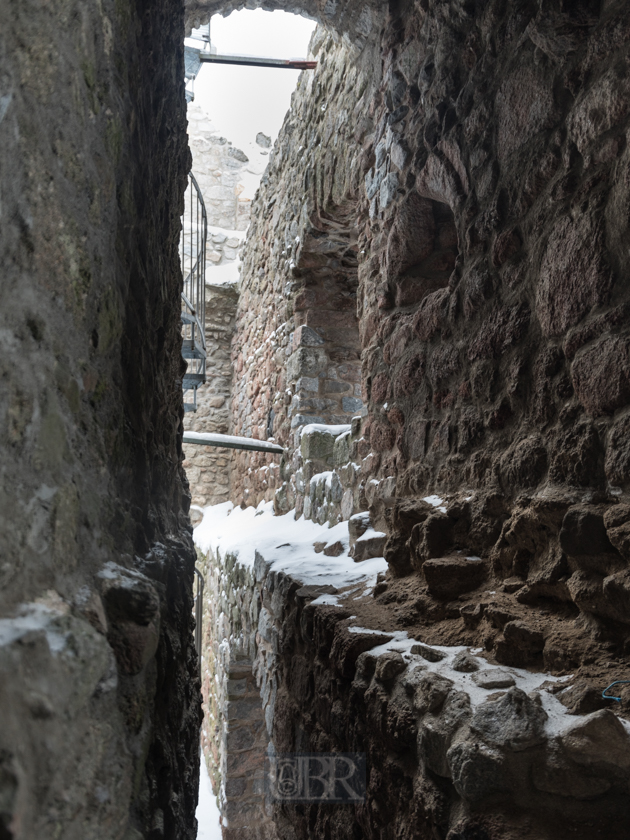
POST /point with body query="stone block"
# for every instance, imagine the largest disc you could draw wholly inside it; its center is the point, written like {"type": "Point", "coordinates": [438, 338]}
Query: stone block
{"type": "Point", "coordinates": [493, 678]}
{"type": "Point", "coordinates": [477, 771]}
{"type": "Point", "coordinates": [514, 722]}
{"type": "Point", "coordinates": [598, 738]}
{"type": "Point", "coordinates": [306, 361]}
{"type": "Point", "coordinates": [341, 450]}
{"type": "Point", "coordinates": [389, 665]}
{"type": "Point", "coordinates": [358, 525]}
{"type": "Point", "coordinates": [428, 653]}
{"type": "Point", "coordinates": [617, 523]}
{"type": "Point", "coordinates": [307, 383]}
{"type": "Point", "coordinates": [351, 404]}
{"type": "Point", "coordinates": [317, 446]}
{"type": "Point", "coordinates": [465, 663]}
{"type": "Point", "coordinates": [449, 577]}
{"type": "Point", "coordinates": [306, 337]}
{"type": "Point", "coordinates": [437, 733]}
{"type": "Point", "coordinates": [371, 544]}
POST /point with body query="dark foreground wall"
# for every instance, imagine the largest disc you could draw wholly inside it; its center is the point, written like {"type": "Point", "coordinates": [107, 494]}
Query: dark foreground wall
{"type": "Point", "coordinates": [98, 687]}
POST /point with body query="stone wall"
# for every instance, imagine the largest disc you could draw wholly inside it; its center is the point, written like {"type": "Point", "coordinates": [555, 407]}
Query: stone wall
{"type": "Point", "coordinates": [466, 178]}
{"type": "Point", "coordinates": [218, 167]}
{"type": "Point", "coordinates": [99, 696]}
{"type": "Point", "coordinates": [227, 178]}
{"type": "Point", "coordinates": [208, 469]}
{"type": "Point", "coordinates": [296, 350]}
{"type": "Point", "coordinates": [456, 746]}
{"type": "Point", "coordinates": [485, 229]}
{"type": "Point", "coordinates": [235, 735]}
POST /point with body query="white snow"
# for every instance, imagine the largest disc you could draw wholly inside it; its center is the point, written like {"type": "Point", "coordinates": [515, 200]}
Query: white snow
{"type": "Point", "coordinates": [436, 502]}
{"type": "Point", "coordinates": [370, 534]}
{"type": "Point", "coordinates": [285, 542]}
{"type": "Point", "coordinates": [33, 617]}
{"type": "Point", "coordinates": [207, 813]}
{"type": "Point", "coordinates": [219, 275]}
{"type": "Point", "coordinates": [559, 719]}
{"type": "Point", "coordinates": [322, 427]}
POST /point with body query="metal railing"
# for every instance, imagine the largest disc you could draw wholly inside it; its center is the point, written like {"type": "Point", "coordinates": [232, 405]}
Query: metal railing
{"type": "Point", "coordinates": [193, 298]}
{"type": "Point", "coordinates": [199, 617]}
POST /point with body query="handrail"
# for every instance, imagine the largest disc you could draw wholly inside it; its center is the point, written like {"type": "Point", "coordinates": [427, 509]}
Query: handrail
{"type": "Point", "coordinates": [199, 616]}
{"type": "Point", "coordinates": [188, 303]}
{"type": "Point", "coordinates": [193, 314]}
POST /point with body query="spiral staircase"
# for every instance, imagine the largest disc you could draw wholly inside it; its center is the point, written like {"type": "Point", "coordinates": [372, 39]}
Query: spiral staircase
{"type": "Point", "coordinates": [193, 298]}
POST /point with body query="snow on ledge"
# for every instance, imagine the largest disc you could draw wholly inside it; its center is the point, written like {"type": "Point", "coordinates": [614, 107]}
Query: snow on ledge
{"type": "Point", "coordinates": [285, 542]}
{"type": "Point", "coordinates": [335, 431]}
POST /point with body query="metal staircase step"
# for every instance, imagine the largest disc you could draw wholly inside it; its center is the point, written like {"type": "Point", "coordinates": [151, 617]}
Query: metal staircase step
{"type": "Point", "coordinates": [191, 349]}
{"type": "Point", "coordinates": [193, 380]}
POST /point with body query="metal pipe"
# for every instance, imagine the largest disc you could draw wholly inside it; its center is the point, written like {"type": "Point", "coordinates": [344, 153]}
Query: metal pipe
{"type": "Point", "coordinates": [232, 442]}
{"type": "Point", "coordinates": [257, 61]}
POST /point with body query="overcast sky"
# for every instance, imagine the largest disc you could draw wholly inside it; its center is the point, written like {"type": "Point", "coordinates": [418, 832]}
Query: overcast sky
{"type": "Point", "coordinates": [241, 101]}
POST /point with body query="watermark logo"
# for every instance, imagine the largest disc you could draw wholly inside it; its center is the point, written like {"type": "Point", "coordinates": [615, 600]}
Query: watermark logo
{"type": "Point", "coordinates": [317, 777]}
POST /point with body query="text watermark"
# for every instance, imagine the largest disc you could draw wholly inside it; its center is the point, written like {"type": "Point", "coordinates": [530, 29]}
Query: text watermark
{"type": "Point", "coordinates": [316, 777]}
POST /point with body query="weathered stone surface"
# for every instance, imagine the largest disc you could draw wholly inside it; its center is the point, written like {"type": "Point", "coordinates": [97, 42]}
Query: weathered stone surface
{"type": "Point", "coordinates": [601, 376]}
{"type": "Point", "coordinates": [583, 532]}
{"type": "Point", "coordinates": [470, 206]}
{"type": "Point", "coordinates": [358, 524]}
{"type": "Point", "coordinates": [388, 666]}
{"type": "Point", "coordinates": [494, 678]}
{"type": "Point", "coordinates": [617, 523]}
{"type": "Point", "coordinates": [208, 469]}
{"type": "Point", "coordinates": [574, 276]}
{"type": "Point", "coordinates": [477, 771]}
{"type": "Point", "coordinates": [465, 663]}
{"type": "Point", "coordinates": [599, 738]}
{"type": "Point", "coordinates": [367, 546]}
{"type": "Point", "coordinates": [428, 653]}
{"type": "Point", "coordinates": [448, 577]}
{"type": "Point", "coordinates": [100, 714]}
{"type": "Point", "coordinates": [437, 733]}
{"type": "Point", "coordinates": [515, 721]}
{"type": "Point", "coordinates": [317, 446]}
{"type": "Point", "coordinates": [581, 699]}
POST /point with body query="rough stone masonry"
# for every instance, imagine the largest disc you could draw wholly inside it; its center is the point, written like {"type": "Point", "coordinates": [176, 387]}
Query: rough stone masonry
{"type": "Point", "coordinates": [461, 176]}
{"type": "Point", "coordinates": [447, 211]}
{"type": "Point", "coordinates": [99, 694]}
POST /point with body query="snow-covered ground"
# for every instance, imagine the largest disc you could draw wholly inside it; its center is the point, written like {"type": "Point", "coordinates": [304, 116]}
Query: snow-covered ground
{"type": "Point", "coordinates": [207, 812]}
{"type": "Point", "coordinates": [286, 543]}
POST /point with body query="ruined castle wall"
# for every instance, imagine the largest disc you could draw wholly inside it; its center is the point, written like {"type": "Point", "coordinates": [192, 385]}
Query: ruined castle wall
{"type": "Point", "coordinates": [455, 744]}
{"type": "Point", "coordinates": [208, 469]}
{"type": "Point", "coordinates": [467, 180]}
{"type": "Point", "coordinates": [483, 198]}
{"type": "Point", "coordinates": [219, 168]}
{"type": "Point", "coordinates": [227, 178]}
{"type": "Point", "coordinates": [98, 674]}
{"type": "Point", "coordinates": [296, 350]}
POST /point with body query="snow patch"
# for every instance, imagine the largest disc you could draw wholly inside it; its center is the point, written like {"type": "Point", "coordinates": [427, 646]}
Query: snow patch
{"type": "Point", "coordinates": [436, 502]}
{"type": "Point", "coordinates": [322, 427]}
{"type": "Point", "coordinates": [285, 542]}
{"type": "Point", "coordinates": [207, 812]}
{"type": "Point", "coordinates": [559, 718]}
